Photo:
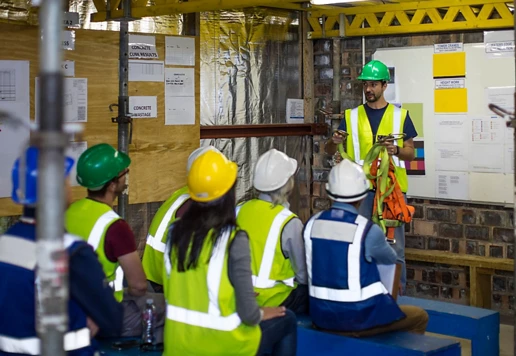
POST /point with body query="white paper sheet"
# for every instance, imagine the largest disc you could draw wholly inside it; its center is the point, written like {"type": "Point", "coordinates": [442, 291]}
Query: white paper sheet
{"type": "Point", "coordinates": [15, 100]}
{"type": "Point", "coordinates": [179, 82]}
{"type": "Point", "coordinates": [387, 274]}
{"type": "Point", "coordinates": [74, 150]}
{"type": "Point", "coordinates": [68, 40]}
{"type": "Point", "coordinates": [68, 68]}
{"type": "Point", "coordinates": [451, 157]}
{"type": "Point", "coordinates": [75, 105]}
{"type": "Point", "coordinates": [486, 158]}
{"type": "Point", "coordinates": [451, 128]}
{"type": "Point", "coordinates": [448, 47]}
{"type": "Point", "coordinates": [295, 111]}
{"type": "Point", "coordinates": [451, 83]}
{"type": "Point", "coordinates": [71, 19]}
{"type": "Point", "coordinates": [180, 51]}
{"type": "Point", "coordinates": [499, 44]}
{"type": "Point", "coordinates": [488, 129]}
{"type": "Point", "coordinates": [142, 47]}
{"type": "Point", "coordinates": [146, 71]}
{"type": "Point", "coordinates": [509, 159]}
{"type": "Point", "coordinates": [452, 185]}
{"type": "Point", "coordinates": [143, 107]}
{"type": "Point", "coordinates": [179, 110]}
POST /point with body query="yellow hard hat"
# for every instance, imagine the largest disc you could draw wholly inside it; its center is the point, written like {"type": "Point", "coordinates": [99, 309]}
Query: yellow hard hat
{"type": "Point", "coordinates": [211, 176]}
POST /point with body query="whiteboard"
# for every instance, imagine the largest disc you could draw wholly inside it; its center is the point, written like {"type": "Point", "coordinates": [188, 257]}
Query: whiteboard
{"type": "Point", "coordinates": [415, 84]}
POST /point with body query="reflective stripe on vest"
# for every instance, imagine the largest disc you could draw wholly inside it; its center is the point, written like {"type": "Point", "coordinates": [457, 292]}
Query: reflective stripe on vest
{"type": "Point", "coordinates": [356, 139]}
{"type": "Point", "coordinates": [94, 240]}
{"type": "Point", "coordinates": [262, 280]}
{"type": "Point", "coordinates": [21, 252]}
{"type": "Point", "coordinates": [156, 241]}
{"type": "Point", "coordinates": [355, 292]}
{"type": "Point", "coordinates": [211, 319]}
{"type": "Point", "coordinates": [73, 340]}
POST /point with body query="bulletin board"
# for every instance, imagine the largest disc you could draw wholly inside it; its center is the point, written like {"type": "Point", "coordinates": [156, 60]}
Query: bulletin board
{"type": "Point", "coordinates": [467, 156]}
{"type": "Point", "coordinates": [159, 152]}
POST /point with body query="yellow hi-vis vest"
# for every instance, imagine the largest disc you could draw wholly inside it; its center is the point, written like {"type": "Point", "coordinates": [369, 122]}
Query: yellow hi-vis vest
{"type": "Point", "coordinates": [152, 261]}
{"type": "Point", "coordinates": [90, 220]}
{"type": "Point", "coordinates": [201, 306]}
{"type": "Point", "coordinates": [273, 275]}
{"type": "Point", "coordinates": [360, 139]}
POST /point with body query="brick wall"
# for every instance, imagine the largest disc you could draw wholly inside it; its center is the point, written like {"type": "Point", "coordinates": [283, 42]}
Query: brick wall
{"type": "Point", "coordinates": [483, 230]}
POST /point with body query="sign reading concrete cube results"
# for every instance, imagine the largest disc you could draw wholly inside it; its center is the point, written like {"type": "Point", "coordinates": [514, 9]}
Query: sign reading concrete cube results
{"type": "Point", "coordinates": [142, 47]}
{"type": "Point", "coordinates": [144, 107]}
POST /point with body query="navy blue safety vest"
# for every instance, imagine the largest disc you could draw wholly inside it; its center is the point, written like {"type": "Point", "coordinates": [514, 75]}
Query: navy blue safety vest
{"type": "Point", "coordinates": [17, 296]}
{"type": "Point", "coordinates": [345, 290]}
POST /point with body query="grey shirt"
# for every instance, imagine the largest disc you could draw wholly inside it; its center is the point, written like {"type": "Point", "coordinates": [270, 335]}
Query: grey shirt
{"type": "Point", "coordinates": [239, 272]}
{"type": "Point", "coordinates": [293, 244]}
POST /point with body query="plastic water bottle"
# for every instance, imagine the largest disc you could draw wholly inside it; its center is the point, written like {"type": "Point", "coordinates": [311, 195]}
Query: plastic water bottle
{"type": "Point", "coordinates": [149, 323]}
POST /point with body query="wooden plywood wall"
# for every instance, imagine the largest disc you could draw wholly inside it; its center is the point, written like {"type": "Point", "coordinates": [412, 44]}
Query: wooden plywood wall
{"type": "Point", "coordinates": [159, 153]}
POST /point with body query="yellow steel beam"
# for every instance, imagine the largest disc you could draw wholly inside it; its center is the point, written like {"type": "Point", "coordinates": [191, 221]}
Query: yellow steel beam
{"type": "Point", "coordinates": [171, 7]}
{"type": "Point", "coordinates": [409, 17]}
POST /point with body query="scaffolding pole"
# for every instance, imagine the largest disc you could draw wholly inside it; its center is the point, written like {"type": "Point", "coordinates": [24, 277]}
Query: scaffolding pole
{"type": "Point", "coordinates": [124, 120]}
{"type": "Point", "coordinates": [52, 271]}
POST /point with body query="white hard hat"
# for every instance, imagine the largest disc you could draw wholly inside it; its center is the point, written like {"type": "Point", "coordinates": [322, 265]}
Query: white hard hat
{"type": "Point", "coordinates": [273, 170]}
{"type": "Point", "coordinates": [196, 153]}
{"type": "Point", "coordinates": [347, 182]}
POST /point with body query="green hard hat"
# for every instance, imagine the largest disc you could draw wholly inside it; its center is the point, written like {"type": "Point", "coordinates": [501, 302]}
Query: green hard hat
{"type": "Point", "coordinates": [375, 70]}
{"type": "Point", "coordinates": [99, 164]}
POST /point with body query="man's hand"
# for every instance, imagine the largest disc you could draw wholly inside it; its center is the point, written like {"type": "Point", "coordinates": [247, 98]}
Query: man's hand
{"type": "Point", "coordinates": [273, 312]}
{"type": "Point", "coordinates": [391, 148]}
{"type": "Point", "coordinates": [337, 138]}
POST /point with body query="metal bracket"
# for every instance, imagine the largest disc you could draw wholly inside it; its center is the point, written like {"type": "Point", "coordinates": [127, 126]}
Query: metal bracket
{"type": "Point", "coordinates": [511, 120]}
{"type": "Point", "coordinates": [123, 120]}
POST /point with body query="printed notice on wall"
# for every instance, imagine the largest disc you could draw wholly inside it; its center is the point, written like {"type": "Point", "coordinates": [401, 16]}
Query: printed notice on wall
{"type": "Point", "coordinates": [452, 185]}
{"type": "Point", "coordinates": [448, 47]}
{"type": "Point", "coordinates": [68, 40]}
{"type": "Point", "coordinates": [179, 110]}
{"type": "Point", "coordinates": [487, 158]}
{"type": "Point", "coordinates": [68, 68]}
{"type": "Point", "coordinates": [179, 81]}
{"type": "Point", "coordinates": [451, 83]}
{"type": "Point", "coordinates": [499, 44]}
{"type": "Point", "coordinates": [451, 157]}
{"type": "Point", "coordinates": [295, 111]}
{"type": "Point", "coordinates": [451, 128]}
{"type": "Point", "coordinates": [500, 96]}
{"type": "Point", "coordinates": [146, 71]}
{"type": "Point", "coordinates": [142, 47]}
{"type": "Point", "coordinates": [180, 51]}
{"type": "Point", "coordinates": [489, 129]}
{"type": "Point", "coordinates": [74, 150]}
{"type": "Point", "coordinates": [144, 107]}
{"type": "Point", "coordinates": [75, 99]}
{"type": "Point", "coordinates": [14, 101]}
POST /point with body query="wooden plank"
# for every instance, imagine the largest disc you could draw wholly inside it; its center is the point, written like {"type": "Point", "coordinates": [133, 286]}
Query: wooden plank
{"type": "Point", "coordinates": [159, 153]}
{"type": "Point", "coordinates": [308, 71]}
{"type": "Point", "coordinates": [459, 259]}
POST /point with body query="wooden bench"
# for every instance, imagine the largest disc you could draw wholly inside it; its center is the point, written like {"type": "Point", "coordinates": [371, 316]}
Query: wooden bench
{"type": "Point", "coordinates": [481, 270]}
{"type": "Point", "coordinates": [313, 342]}
{"type": "Point", "coordinates": [481, 326]}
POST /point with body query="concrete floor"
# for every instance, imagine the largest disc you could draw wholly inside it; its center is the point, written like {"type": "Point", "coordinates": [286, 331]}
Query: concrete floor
{"type": "Point", "coordinates": [506, 341]}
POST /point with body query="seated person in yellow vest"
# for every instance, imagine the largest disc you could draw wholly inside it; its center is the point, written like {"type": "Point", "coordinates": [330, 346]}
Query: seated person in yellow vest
{"type": "Point", "coordinates": [211, 307]}
{"type": "Point", "coordinates": [103, 170]}
{"type": "Point", "coordinates": [91, 304]}
{"type": "Point", "coordinates": [343, 249]}
{"type": "Point", "coordinates": [174, 207]}
{"type": "Point", "coordinates": [364, 124]}
{"type": "Point", "coordinates": [275, 235]}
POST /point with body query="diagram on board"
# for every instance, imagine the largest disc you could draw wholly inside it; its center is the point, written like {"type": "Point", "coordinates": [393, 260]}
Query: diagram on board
{"type": "Point", "coordinates": [7, 85]}
{"type": "Point", "coordinates": [75, 99]}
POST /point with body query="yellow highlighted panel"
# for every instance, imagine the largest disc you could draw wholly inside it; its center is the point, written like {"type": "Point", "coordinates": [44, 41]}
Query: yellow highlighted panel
{"type": "Point", "coordinates": [451, 100]}
{"type": "Point", "coordinates": [450, 64]}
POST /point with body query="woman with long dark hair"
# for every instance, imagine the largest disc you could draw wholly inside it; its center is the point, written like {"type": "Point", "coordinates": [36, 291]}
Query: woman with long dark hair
{"type": "Point", "coordinates": [211, 305]}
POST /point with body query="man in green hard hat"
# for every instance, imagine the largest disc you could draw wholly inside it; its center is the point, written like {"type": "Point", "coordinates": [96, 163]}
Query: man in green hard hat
{"type": "Point", "coordinates": [364, 124]}
{"type": "Point", "coordinates": [103, 170]}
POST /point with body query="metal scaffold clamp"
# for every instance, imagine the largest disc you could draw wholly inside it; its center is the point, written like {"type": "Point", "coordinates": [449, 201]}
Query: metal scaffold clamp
{"type": "Point", "coordinates": [124, 119]}
{"type": "Point", "coordinates": [508, 116]}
